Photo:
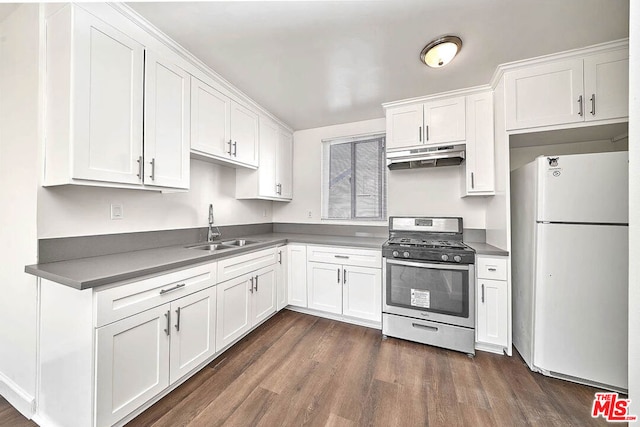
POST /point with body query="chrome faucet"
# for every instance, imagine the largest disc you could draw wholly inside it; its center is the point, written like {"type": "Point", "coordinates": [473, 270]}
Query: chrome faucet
{"type": "Point", "coordinates": [211, 235]}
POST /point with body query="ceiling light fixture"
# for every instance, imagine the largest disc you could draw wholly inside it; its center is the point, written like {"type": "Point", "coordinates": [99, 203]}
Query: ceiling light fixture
{"type": "Point", "coordinates": [441, 51]}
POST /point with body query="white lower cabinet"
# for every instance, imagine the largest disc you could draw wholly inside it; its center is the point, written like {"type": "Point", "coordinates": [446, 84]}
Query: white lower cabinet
{"type": "Point", "coordinates": [492, 304]}
{"type": "Point", "coordinates": [324, 287]}
{"type": "Point", "coordinates": [244, 302]}
{"type": "Point", "coordinates": [362, 292]}
{"type": "Point", "coordinates": [139, 356]}
{"type": "Point", "coordinates": [282, 273]}
{"type": "Point", "coordinates": [297, 275]}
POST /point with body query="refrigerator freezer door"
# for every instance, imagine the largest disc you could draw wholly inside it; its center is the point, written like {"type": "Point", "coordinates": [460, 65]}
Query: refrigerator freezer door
{"type": "Point", "coordinates": [586, 188]}
{"type": "Point", "coordinates": [581, 302]}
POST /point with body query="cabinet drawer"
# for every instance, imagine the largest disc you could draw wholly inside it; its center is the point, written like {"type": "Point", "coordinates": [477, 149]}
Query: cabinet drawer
{"type": "Point", "coordinates": [494, 268]}
{"type": "Point", "coordinates": [345, 256]}
{"type": "Point", "coordinates": [122, 301]}
{"type": "Point", "coordinates": [242, 264]}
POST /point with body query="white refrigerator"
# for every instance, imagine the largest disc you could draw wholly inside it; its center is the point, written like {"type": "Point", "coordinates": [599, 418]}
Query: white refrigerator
{"type": "Point", "coordinates": [569, 219]}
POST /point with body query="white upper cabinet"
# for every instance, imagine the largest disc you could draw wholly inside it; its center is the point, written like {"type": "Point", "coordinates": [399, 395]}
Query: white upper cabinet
{"type": "Point", "coordinates": [222, 130]}
{"type": "Point", "coordinates": [432, 122]}
{"type": "Point", "coordinates": [166, 123]}
{"type": "Point", "coordinates": [273, 179]}
{"type": "Point", "coordinates": [479, 165]}
{"type": "Point", "coordinates": [95, 108]}
{"type": "Point", "coordinates": [559, 92]}
{"type": "Point", "coordinates": [606, 85]}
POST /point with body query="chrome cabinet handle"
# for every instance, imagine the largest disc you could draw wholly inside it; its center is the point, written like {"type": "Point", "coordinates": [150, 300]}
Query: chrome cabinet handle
{"type": "Point", "coordinates": [580, 112]}
{"type": "Point", "coordinates": [230, 145]}
{"type": "Point", "coordinates": [472, 183]}
{"type": "Point", "coordinates": [420, 133]}
{"type": "Point", "coordinates": [153, 169]}
{"type": "Point", "coordinates": [256, 283]}
{"type": "Point", "coordinates": [178, 319]}
{"type": "Point", "coordinates": [168, 328]}
{"type": "Point", "coordinates": [593, 104]}
{"type": "Point", "coordinates": [344, 276]}
{"type": "Point", "coordinates": [491, 269]}
{"type": "Point", "coordinates": [426, 131]}
{"type": "Point", "coordinates": [429, 328]}
{"type": "Point", "coordinates": [140, 167]}
{"type": "Point", "coordinates": [235, 148]}
{"type": "Point", "coordinates": [483, 293]}
{"type": "Point", "coordinates": [176, 287]}
{"type": "Point", "coordinates": [341, 256]}
{"type": "Point", "coordinates": [251, 285]}
{"type": "Point", "coordinates": [280, 257]}
{"type": "Point", "coordinates": [338, 275]}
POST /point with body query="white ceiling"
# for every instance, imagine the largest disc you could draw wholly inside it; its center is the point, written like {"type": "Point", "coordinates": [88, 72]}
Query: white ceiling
{"type": "Point", "coordinates": [328, 62]}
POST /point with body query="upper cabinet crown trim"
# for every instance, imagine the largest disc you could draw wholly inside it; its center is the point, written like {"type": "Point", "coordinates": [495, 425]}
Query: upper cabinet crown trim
{"type": "Point", "coordinates": [568, 54]}
{"type": "Point", "coordinates": [441, 95]}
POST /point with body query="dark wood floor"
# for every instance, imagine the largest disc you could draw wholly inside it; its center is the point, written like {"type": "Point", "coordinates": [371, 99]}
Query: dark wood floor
{"type": "Point", "coordinates": [303, 370]}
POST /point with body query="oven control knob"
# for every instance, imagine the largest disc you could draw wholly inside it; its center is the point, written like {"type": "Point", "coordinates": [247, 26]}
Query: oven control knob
{"type": "Point", "coordinates": [395, 254]}
{"type": "Point", "coordinates": [445, 257]}
{"type": "Point", "coordinates": [405, 254]}
{"type": "Point", "coordinates": [457, 258]}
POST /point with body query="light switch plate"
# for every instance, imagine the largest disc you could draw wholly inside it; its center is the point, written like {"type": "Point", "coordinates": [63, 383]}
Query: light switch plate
{"type": "Point", "coordinates": [117, 212]}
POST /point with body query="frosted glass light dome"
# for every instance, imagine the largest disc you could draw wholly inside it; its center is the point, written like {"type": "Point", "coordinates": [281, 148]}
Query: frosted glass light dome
{"type": "Point", "coordinates": [441, 51]}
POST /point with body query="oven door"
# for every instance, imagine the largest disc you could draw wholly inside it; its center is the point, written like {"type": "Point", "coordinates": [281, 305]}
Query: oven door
{"type": "Point", "coordinates": [438, 292]}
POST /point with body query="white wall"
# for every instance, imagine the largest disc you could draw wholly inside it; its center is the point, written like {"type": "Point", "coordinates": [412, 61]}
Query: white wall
{"type": "Point", "coordinates": [78, 210]}
{"type": "Point", "coordinates": [524, 155]}
{"type": "Point", "coordinates": [434, 191]}
{"type": "Point", "coordinates": [19, 34]}
{"type": "Point", "coordinates": [634, 207]}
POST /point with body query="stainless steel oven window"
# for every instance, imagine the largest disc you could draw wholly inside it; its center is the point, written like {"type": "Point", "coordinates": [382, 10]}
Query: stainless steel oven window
{"type": "Point", "coordinates": [436, 288]}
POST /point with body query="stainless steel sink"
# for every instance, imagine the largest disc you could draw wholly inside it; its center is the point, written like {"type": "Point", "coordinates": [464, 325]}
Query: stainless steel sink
{"type": "Point", "coordinates": [239, 242]}
{"type": "Point", "coordinates": [210, 247]}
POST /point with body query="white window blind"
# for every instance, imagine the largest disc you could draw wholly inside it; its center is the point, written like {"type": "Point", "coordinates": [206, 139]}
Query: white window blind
{"type": "Point", "coordinates": [353, 177]}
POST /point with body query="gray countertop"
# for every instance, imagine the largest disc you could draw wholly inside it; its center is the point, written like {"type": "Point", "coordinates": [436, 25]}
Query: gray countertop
{"type": "Point", "coordinates": [85, 273]}
{"type": "Point", "coordinates": [485, 249]}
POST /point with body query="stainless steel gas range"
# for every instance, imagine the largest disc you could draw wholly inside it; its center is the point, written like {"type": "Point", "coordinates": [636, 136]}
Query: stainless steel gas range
{"type": "Point", "coordinates": [429, 278]}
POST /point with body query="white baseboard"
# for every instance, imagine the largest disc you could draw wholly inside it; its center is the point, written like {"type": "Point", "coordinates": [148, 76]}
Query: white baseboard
{"type": "Point", "coordinates": [497, 349]}
{"type": "Point", "coordinates": [17, 397]}
{"type": "Point", "coordinates": [338, 317]}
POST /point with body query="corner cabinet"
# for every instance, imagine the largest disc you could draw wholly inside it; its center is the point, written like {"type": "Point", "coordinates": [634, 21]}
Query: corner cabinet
{"type": "Point", "coordinates": [274, 178]}
{"type": "Point", "coordinates": [94, 107]}
{"type": "Point", "coordinates": [431, 122]}
{"type": "Point", "coordinates": [479, 165]}
{"type": "Point", "coordinates": [297, 275]}
{"type": "Point", "coordinates": [222, 130]}
{"type": "Point", "coordinates": [492, 304]}
{"type": "Point", "coordinates": [573, 90]}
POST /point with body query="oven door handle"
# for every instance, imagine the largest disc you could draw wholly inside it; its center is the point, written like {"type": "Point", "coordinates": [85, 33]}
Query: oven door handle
{"type": "Point", "coordinates": [429, 265]}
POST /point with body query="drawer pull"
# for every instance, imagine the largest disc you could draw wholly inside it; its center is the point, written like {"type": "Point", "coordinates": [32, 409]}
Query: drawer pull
{"type": "Point", "coordinates": [492, 269]}
{"type": "Point", "coordinates": [428, 328]}
{"type": "Point", "coordinates": [176, 287]}
{"type": "Point", "coordinates": [341, 256]}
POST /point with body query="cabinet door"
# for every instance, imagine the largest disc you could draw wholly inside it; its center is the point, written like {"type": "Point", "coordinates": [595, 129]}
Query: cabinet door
{"type": "Point", "coordinates": [210, 112]}
{"type": "Point", "coordinates": [324, 284]}
{"type": "Point", "coordinates": [404, 126]}
{"type": "Point", "coordinates": [268, 154]}
{"type": "Point", "coordinates": [284, 164]}
{"type": "Point", "coordinates": [244, 134]}
{"type": "Point", "coordinates": [193, 331]}
{"type": "Point", "coordinates": [444, 120]}
{"type": "Point", "coordinates": [492, 312]}
{"type": "Point", "coordinates": [132, 363]}
{"type": "Point", "coordinates": [263, 299]}
{"type": "Point", "coordinates": [167, 123]}
{"type": "Point", "coordinates": [545, 95]}
{"type": "Point", "coordinates": [107, 98]}
{"type": "Point", "coordinates": [606, 85]}
{"type": "Point", "coordinates": [297, 275]}
{"type": "Point", "coordinates": [362, 293]}
{"type": "Point", "coordinates": [282, 276]}
{"type": "Point", "coordinates": [479, 163]}
{"type": "Point", "coordinates": [233, 316]}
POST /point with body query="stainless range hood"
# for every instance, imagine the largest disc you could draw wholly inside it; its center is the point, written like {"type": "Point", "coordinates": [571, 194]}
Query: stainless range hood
{"type": "Point", "coordinates": [426, 157]}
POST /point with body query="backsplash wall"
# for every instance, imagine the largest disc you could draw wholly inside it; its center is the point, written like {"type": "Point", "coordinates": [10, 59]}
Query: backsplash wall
{"type": "Point", "coordinates": [80, 210]}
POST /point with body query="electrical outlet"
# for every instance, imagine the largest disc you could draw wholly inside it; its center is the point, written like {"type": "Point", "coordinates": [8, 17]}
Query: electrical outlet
{"type": "Point", "coordinates": [309, 214]}
{"type": "Point", "coordinates": [117, 212]}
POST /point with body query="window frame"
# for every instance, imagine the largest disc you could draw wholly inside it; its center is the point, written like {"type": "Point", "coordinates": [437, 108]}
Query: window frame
{"type": "Point", "coordinates": [325, 173]}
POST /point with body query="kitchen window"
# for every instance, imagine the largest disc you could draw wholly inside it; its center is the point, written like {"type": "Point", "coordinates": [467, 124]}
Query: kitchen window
{"type": "Point", "coordinates": [353, 178]}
